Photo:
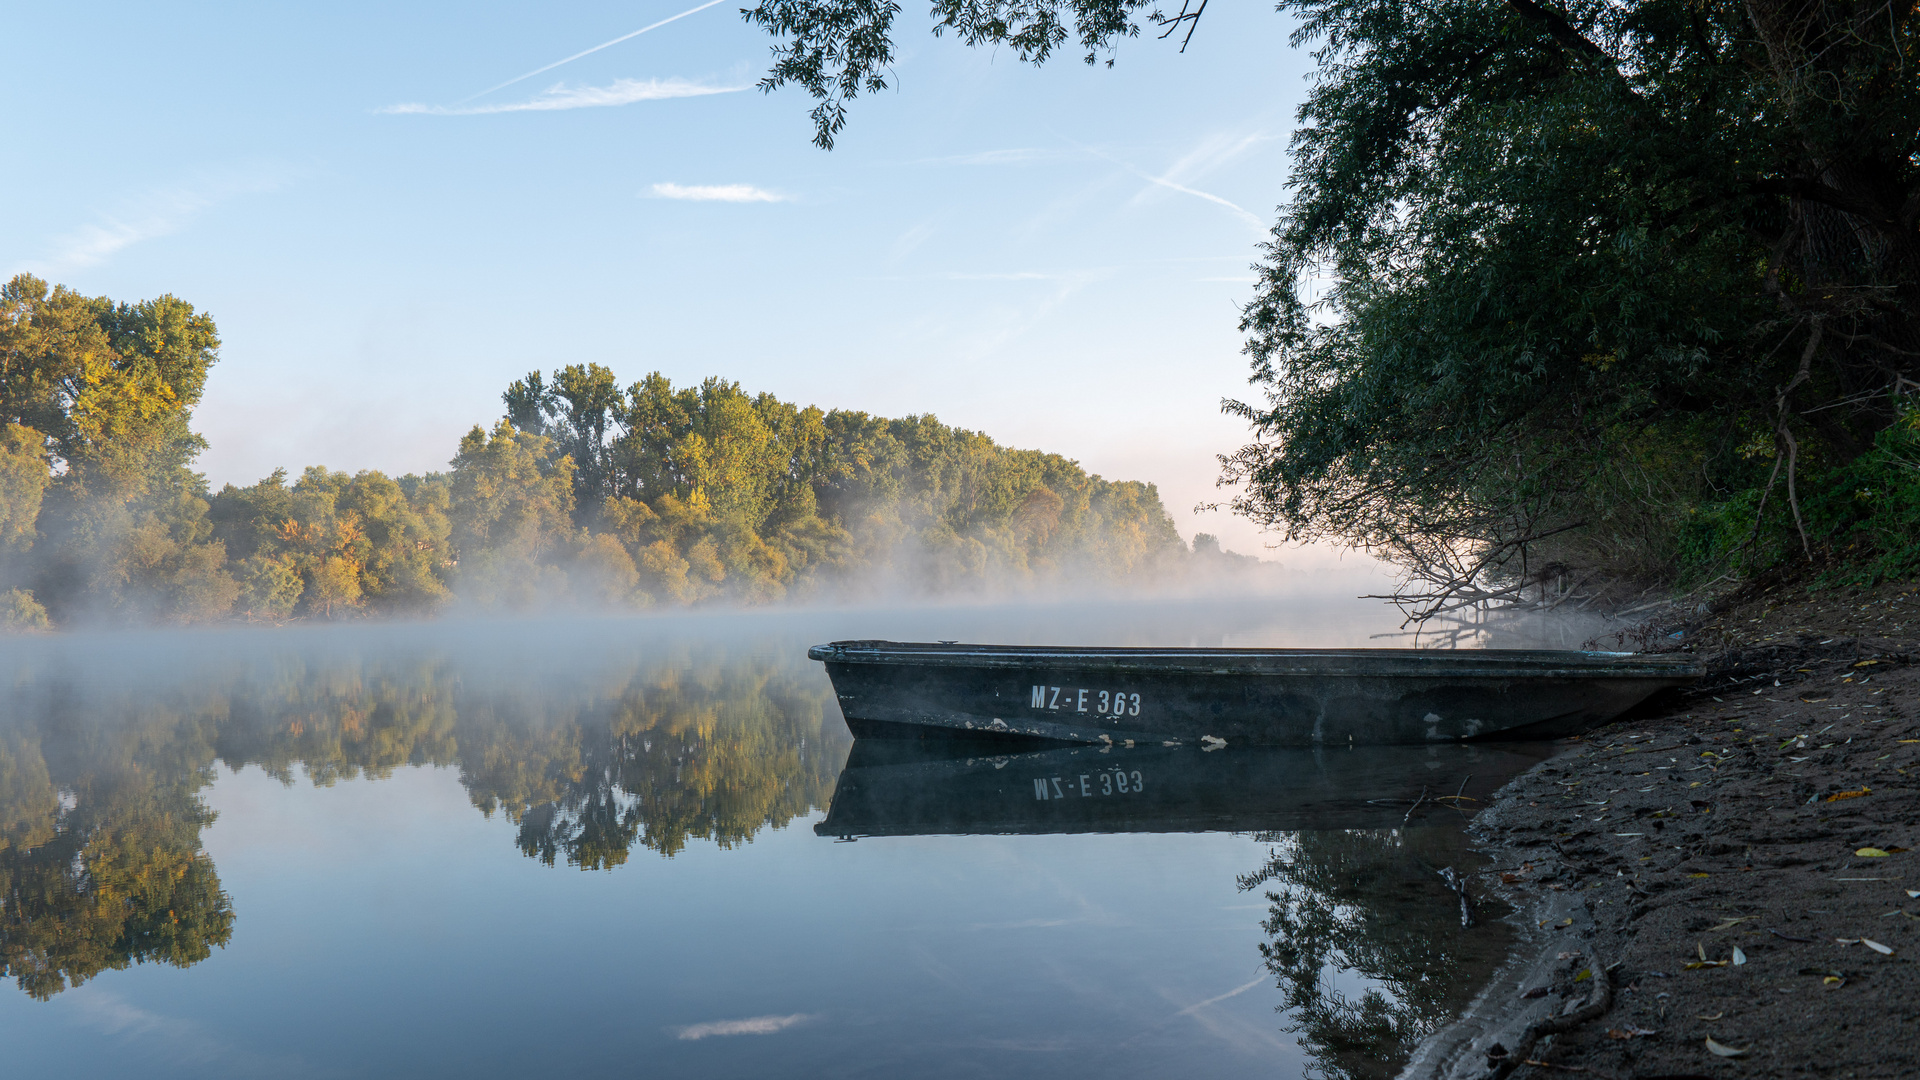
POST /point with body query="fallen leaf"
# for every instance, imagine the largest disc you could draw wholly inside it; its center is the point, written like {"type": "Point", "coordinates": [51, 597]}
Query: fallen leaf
{"type": "Point", "coordinates": [1913, 894]}
{"type": "Point", "coordinates": [1848, 940]}
{"type": "Point", "coordinates": [1630, 1032]}
{"type": "Point", "coordinates": [1699, 875]}
{"type": "Point", "coordinates": [1838, 795]}
{"type": "Point", "coordinates": [1587, 973]}
{"type": "Point", "coordinates": [1738, 956]}
{"type": "Point", "coordinates": [1834, 980]}
{"type": "Point", "coordinates": [1715, 1016]}
{"type": "Point", "coordinates": [1695, 965]}
{"type": "Point", "coordinates": [1876, 946]}
{"type": "Point", "coordinates": [1872, 853]}
{"type": "Point", "coordinates": [1723, 1050]}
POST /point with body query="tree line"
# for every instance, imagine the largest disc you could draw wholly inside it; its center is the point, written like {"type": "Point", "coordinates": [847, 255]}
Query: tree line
{"type": "Point", "coordinates": [584, 493]}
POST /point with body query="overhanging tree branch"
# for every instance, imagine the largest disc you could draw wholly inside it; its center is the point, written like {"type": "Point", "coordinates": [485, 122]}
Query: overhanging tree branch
{"type": "Point", "coordinates": [1562, 31]}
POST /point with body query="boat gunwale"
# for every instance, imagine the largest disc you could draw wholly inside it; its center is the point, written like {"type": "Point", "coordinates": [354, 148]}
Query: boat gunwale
{"type": "Point", "coordinates": [1370, 663]}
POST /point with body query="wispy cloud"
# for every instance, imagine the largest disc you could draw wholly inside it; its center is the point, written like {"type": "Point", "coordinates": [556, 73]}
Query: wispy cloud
{"type": "Point", "coordinates": [907, 241]}
{"type": "Point", "coordinates": [752, 1025]}
{"type": "Point", "coordinates": [149, 216]}
{"type": "Point", "coordinates": [715, 192]}
{"type": "Point", "coordinates": [1214, 151]}
{"type": "Point", "coordinates": [560, 96]}
{"type": "Point", "coordinates": [589, 52]}
{"type": "Point", "coordinates": [1014, 156]}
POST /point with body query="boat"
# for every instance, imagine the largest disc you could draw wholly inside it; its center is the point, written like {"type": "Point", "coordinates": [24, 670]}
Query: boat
{"type": "Point", "coordinates": [894, 787]}
{"type": "Point", "coordinates": [1216, 697]}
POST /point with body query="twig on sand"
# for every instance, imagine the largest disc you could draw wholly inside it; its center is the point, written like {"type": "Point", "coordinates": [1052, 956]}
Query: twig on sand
{"type": "Point", "coordinates": [1564, 1068]}
{"type": "Point", "coordinates": [1502, 1063]}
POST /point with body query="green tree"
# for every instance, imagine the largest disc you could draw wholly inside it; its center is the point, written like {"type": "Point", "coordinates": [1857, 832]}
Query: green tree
{"type": "Point", "coordinates": [23, 482]}
{"type": "Point", "coordinates": [577, 410]}
{"type": "Point", "coordinates": [718, 493]}
{"type": "Point", "coordinates": [510, 509]}
{"type": "Point", "coordinates": [334, 543]}
{"type": "Point", "coordinates": [1581, 260]}
{"type": "Point", "coordinates": [102, 393]}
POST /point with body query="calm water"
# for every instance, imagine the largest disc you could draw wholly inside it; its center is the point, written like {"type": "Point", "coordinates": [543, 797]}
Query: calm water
{"type": "Point", "coordinates": [648, 847]}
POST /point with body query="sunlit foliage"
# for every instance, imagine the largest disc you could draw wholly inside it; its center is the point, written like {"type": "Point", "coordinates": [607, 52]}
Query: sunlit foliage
{"type": "Point", "coordinates": [713, 492]}
{"type": "Point", "coordinates": [587, 494]}
{"type": "Point", "coordinates": [94, 399]}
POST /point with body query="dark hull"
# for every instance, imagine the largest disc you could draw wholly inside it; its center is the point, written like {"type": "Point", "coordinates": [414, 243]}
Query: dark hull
{"type": "Point", "coordinates": [1271, 697]}
{"type": "Point", "coordinates": [907, 789]}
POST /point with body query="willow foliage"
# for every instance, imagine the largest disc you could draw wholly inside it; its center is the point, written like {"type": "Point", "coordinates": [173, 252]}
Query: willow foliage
{"type": "Point", "coordinates": [1582, 269]}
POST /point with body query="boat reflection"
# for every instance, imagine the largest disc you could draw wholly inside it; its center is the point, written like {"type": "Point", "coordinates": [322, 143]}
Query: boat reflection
{"type": "Point", "coordinates": [1363, 936]}
{"type": "Point", "coordinates": [895, 788]}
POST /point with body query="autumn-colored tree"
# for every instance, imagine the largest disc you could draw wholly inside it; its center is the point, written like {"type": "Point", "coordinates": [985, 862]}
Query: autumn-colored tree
{"type": "Point", "coordinates": [101, 393]}
{"type": "Point", "coordinates": [510, 511]}
{"type": "Point", "coordinates": [587, 493]}
{"type": "Point", "coordinates": [713, 492]}
{"type": "Point", "coordinates": [333, 543]}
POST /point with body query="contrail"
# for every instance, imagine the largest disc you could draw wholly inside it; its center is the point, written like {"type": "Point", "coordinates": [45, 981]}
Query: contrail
{"type": "Point", "coordinates": [1166, 183]}
{"type": "Point", "coordinates": [1258, 225]}
{"type": "Point", "coordinates": [595, 49]}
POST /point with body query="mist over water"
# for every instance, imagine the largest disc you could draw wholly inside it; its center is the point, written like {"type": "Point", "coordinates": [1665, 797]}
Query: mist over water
{"type": "Point", "coordinates": [525, 847]}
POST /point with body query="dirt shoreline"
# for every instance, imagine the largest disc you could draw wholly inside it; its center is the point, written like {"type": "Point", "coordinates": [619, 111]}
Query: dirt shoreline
{"type": "Point", "coordinates": [1707, 868]}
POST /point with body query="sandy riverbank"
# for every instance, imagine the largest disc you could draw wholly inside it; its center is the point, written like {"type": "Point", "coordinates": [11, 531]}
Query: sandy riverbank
{"type": "Point", "coordinates": [1717, 860]}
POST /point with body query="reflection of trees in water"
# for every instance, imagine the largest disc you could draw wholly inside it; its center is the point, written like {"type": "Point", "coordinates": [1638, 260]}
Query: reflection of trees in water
{"type": "Point", "coordinates": [715, 749]}
{"type": "Point", "coordinates": [100, 812]}
{"type": "Point", "coordinates": [1366, 906]}
{"type": "Point", "coordinates": [690, 744]}
{"type": "Point", "coordinates": [102, 868]}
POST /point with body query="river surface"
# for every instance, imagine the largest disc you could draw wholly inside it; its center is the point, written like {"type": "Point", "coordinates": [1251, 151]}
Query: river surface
{"type": "Point", "coordinates": [648, 847]}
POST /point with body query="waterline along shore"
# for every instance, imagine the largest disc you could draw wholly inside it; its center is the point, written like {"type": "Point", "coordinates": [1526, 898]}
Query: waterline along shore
{"type": "Point", "coordinates": [1723, 883]}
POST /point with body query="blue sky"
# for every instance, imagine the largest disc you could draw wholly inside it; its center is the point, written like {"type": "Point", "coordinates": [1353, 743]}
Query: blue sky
{"type": "Point", "coordinates": [1051, 256]}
